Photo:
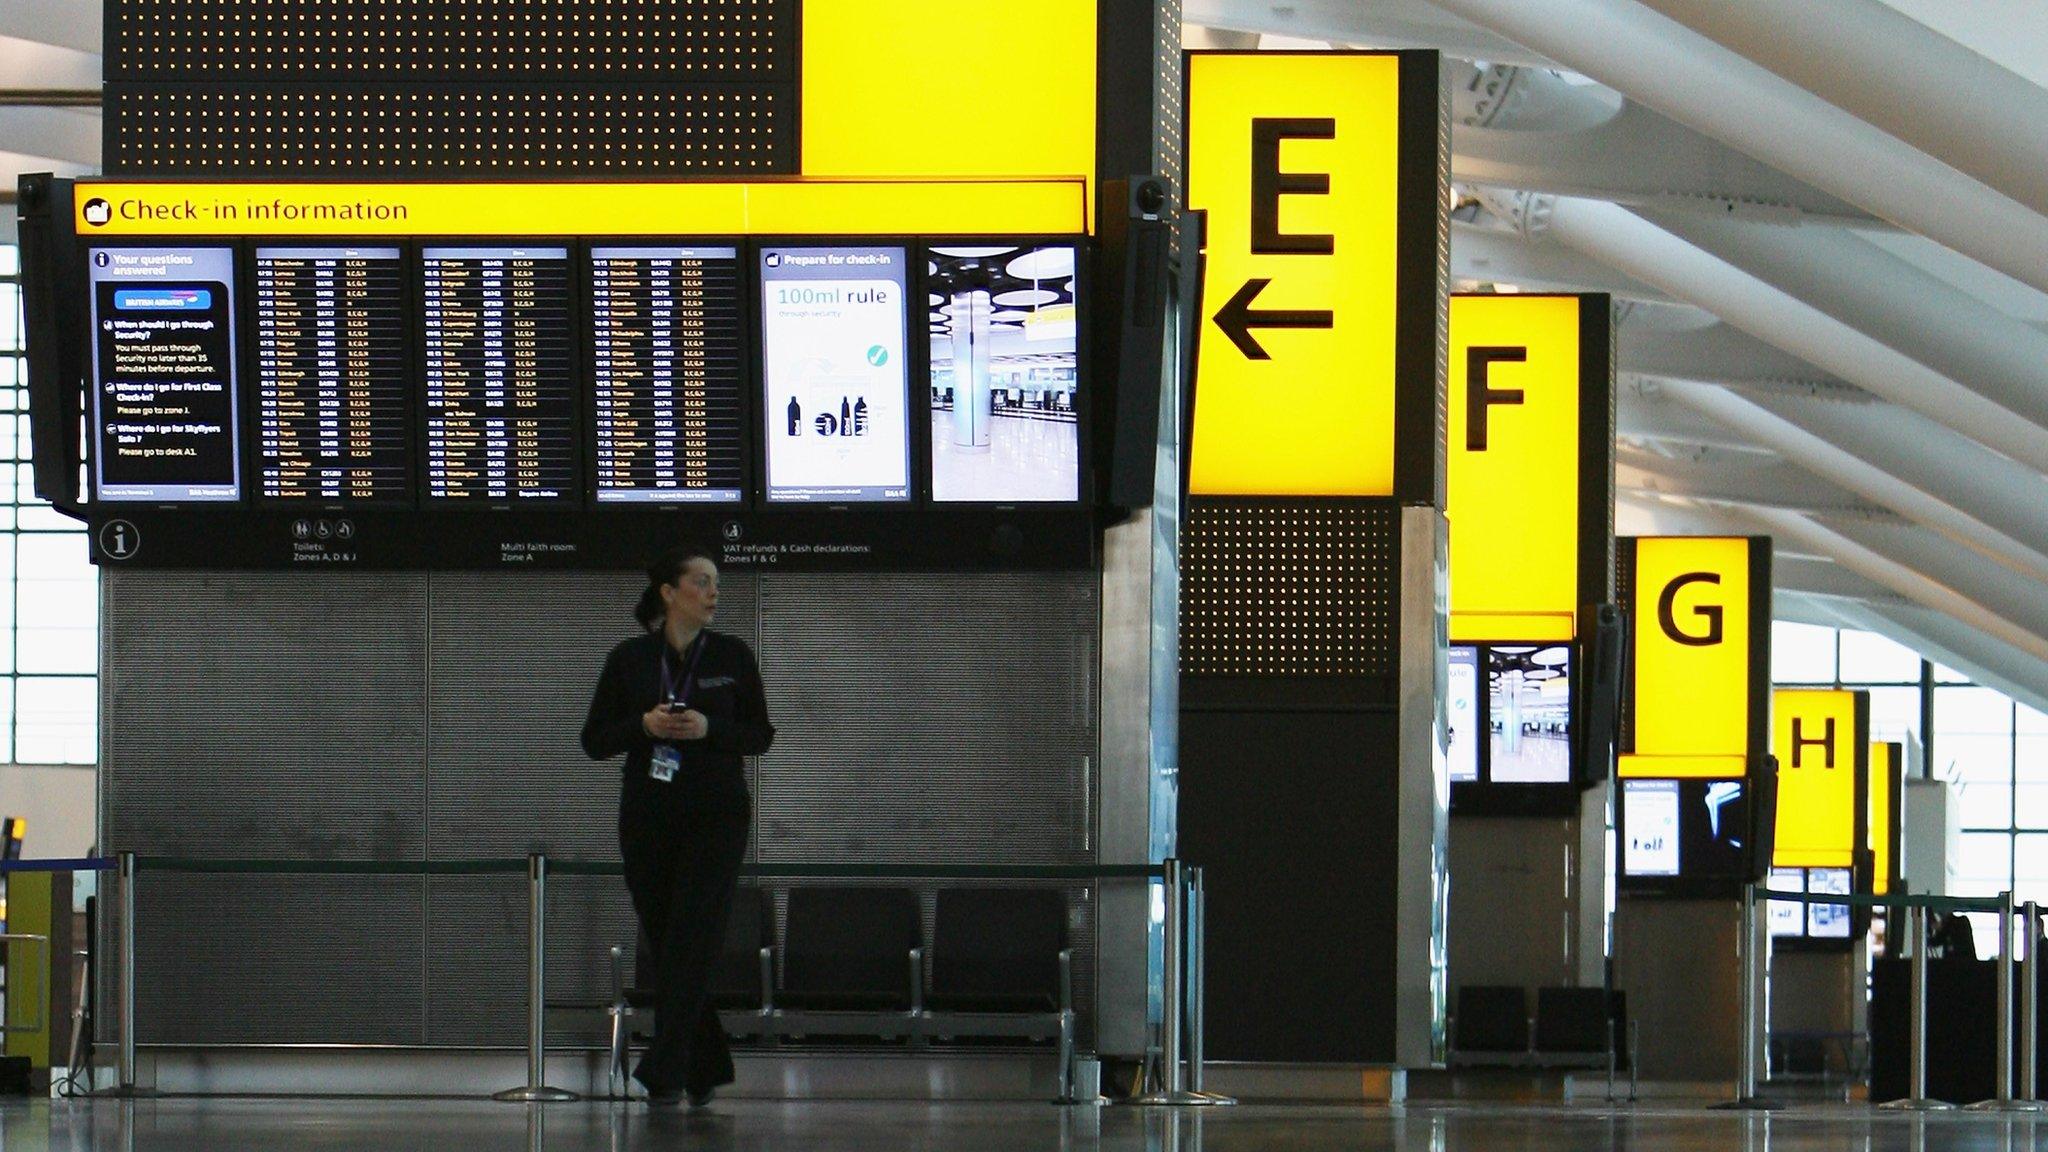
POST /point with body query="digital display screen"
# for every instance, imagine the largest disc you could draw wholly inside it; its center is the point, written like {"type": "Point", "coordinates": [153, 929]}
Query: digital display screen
{"type": "Point", "coordinates": [1529, 714]}
{"type": "Point", "coordinates": [501, 381]}
{"type": "Point", "coordinates": [1650, 827]}
{"type": "Point", "coordinates": [1829, 921]}
{"type": "Point", "coordinates": [1787, 917]}
{"type": "Point", "coordinates": [164, 408]}
{"type": "Point", "coordinates": [835, 373]}
{"type": "Point", "coordinates": [1714, 829]}
{"type": "Point", "coordinates": [1462, 704]}
{"type": "Point", "coordinates": [334, 415]}
{"type": "Point", "coordinates": [1004, 373]}
{"type": "Point", "coordinates": [669, 337]}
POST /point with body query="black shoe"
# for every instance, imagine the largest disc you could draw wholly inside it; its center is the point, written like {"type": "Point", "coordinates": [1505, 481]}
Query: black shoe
{"type": "Point", "coordinates": [702, 1099]}
{"type": "Point", "coordinates": [668, 1098]}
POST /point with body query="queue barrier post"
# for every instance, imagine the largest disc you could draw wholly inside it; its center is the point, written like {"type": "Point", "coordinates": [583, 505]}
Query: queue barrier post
{"type": "Point", "coordinates": [1173, 1007]}
{"type": "Point", "coordinates": [1754, 938]}
{"type": "Point", "coordinates": [1198, 984]}
{"type": "Point", "coordinates": [124, 1079]}
{"type": "Point", "coordinates": [2005, 1100]}
{"type": "Point", "coordinates": [2030, 1005]}
{"type": "Point", "coordinates": [1917, 1099]}
{"type": "Point", "coordinates": [536, 1090]}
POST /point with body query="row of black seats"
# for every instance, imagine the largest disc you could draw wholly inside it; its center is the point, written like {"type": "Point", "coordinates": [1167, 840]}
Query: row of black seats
{"type": "Point", "coordinates": [1571, 1027]}
{"type": "Point", "coordinates": [862, 950]}
{"type": "Point", "coordinates": [854, 965]}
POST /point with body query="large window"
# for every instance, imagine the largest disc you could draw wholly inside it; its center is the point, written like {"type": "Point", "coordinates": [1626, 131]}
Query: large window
{"type": "Point", "coordinates": [49, 607]}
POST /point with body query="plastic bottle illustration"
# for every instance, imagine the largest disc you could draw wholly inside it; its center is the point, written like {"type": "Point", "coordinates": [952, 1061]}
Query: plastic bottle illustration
{"type": "Point", "coordinates": [860, 416]}
{"type": "Point", "coordinates": [796, 417]}
{"type": "Point", "coordinates": [845, 417]}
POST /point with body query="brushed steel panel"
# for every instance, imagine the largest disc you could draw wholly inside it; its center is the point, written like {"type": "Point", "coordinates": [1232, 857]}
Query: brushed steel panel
{"type": "Point", "coordinates": [261, 959]}
{"type": "Point", "coordinates": [263, 714]}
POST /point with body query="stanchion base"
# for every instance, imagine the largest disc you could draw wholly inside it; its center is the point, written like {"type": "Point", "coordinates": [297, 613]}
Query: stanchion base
{"type": "Point", "coordinates": [532, 1095]}
{"type": "Point", "coordinates": [2006, 1106]}
{"type": "Point", "coordinates": [1179, 1099]}
{"type": "Point", "coordinates": [1748, 1104]}
{"type": "Point", "coordinates": [1214, 1097]}
{"type": "Point", "coordinates": [1911, 1105]}
{"type": "Point", "coordinates": [1096, 1101]}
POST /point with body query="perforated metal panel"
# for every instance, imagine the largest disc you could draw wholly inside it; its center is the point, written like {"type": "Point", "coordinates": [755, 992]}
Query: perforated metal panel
{"type": "Point", "coordinates": [450, 39]}
{"type": "Point", "coordinates": [946, 717]}
{"type": "Point", "coordinates": [249, 129]}
{"type": "Point", "coordinates": [1271, 588]}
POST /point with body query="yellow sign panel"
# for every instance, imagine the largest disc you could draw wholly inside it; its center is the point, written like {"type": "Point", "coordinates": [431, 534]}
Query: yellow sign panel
{"type": "Point", "coordinates": [1690, 634]}
{"type": "Point", "coordinates": [1813, 735]}
{"type": "Point", "coordinates": [1513, 469]}
{"type": "Point", "coordinates": [946, 88]}
{"type": "Point", "coordinates": [787, 207]}
{"type": "Point", "coordinates": [1295, 158]}
{"type": "Point", "coordinates": [1884, 801]}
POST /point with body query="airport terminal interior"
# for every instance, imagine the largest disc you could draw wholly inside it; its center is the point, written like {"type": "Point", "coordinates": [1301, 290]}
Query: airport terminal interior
{"type": "Point", "coordinates": [1433, 575]}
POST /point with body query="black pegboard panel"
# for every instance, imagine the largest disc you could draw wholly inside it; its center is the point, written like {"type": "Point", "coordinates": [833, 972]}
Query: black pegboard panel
{"type": "Point", "coordinates": [744, 41]}
{"type": "Point", "coordinates": [1277, 588]}
{"type": "Point", "coordinates": [393, 130]}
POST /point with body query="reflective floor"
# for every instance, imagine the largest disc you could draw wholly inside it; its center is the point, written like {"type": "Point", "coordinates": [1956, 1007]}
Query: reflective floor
{"type": "Point", "coordinates": [262, 1125]}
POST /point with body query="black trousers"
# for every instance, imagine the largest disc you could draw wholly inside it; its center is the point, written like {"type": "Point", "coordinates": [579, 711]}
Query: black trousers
{"type": "Point", "coordinates": [683, 844]}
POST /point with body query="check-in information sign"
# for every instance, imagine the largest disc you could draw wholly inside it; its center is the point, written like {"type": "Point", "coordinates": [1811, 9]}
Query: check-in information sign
{"type": "Point", "coordinates": [1821, 740]}
{"type": "Point", "coordinates": [1699, 656]}
{"type": "Point", "coordinates": [1295, 158]}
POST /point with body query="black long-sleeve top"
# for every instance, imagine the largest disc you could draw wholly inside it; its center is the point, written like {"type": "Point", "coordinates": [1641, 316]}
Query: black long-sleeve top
{"type": "Point", "coordinates": [727, 690]}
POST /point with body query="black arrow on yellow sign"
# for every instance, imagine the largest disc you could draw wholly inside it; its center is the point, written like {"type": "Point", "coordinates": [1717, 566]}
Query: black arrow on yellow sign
{"type": "Point", "coordinates": [1238, 318]}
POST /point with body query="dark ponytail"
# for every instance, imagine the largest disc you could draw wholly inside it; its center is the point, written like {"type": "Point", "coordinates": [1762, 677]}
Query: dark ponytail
{"type": "Point", "coordinates": [666, 569]}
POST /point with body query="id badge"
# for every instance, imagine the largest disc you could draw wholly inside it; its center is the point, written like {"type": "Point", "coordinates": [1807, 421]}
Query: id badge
{"type": "Point", "coordinates": [667, 758]}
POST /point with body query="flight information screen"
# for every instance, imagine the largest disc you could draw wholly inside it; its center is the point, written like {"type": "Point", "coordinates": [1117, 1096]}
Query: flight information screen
{"type": "Point", "coordinates": [333, 412]}
{"type": "Point", "coordinates": [668, 337]}
{"type": "Point", "coordinates": [164, 407]}
{"type": "Point", "coordinates": [836, 385]}
{"type": "Point", "coordinates": [500, 374]}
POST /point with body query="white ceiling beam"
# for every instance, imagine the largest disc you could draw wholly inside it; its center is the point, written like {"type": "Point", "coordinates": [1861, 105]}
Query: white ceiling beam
{"type": "Point", "coordinates": [2013, 597]}
{"type": "Point", "coordinates": [66, 135]}
{"type": "Point", "coordinates": [1907, 582]}
{"type": "Point", "coordinates": [34, 64]}
{"type": "Point", "coordinates": [1927, 456]}
{"type": "Point", "coordinates": [1735, 478]}
{"type": "Point", "coordinates": [1641, 249]}
{"type": "Point", "coordinates": [1936, 513]}
{"type": "Point", "coordinates": [1937, 637]}
{"type": "Point", "coordinates": [1888, 299]}
{"type": "Point", "coordinates": [1381, 24]}
{"type": "Point", "coordinates": [1659, 62]}
{"type": "Point", "coordinates": [1869, 59]}
{"type": "Point", "coordinates": [73, 24]}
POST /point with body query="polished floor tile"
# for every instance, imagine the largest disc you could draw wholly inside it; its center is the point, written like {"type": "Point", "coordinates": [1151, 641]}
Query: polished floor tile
{"type": "Point", "coordinates": [304, 1125]}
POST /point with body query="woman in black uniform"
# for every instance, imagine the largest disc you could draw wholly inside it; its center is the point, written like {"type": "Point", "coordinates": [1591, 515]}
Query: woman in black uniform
{"type": "Point", "coordinates": [685, 705]}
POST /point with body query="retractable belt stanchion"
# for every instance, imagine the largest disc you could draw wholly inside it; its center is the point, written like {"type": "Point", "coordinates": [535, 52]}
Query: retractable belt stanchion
{"type": "Point", "coordinates": [1746, 1096]}
{"type": "Point", "coordinates": [536, 1089]}
{"type": "Point", "coordinates": [126, 1074]}
{"type": "Point", "coordinates": [1172, 1069]}
{"type": "Point", "coordinates": [2030, 1006]}
{"type": "Point", "coordinates": [1198, 983]}
{"type": "Point", "coordinates": [2006, 1100]}
{"type": "Point", "coordinates": [1917, 1101]}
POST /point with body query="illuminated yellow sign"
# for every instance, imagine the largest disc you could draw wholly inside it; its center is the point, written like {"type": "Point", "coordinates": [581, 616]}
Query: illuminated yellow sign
{"type": "Point", "coordinates": [1885, 782]}
{"type": "Point", "coordinates": [1513, 467]}
{"type": "Point", "coordinates": [1820, 749]}
{"type": "Point", "coordinates": [945, 88]}
{"type": "Point", "coordinates": [1295, 158]}
{"type": "Point", "coordinates": [784, 207]}
{"type": "Point", "coordinates": [1689, 631]}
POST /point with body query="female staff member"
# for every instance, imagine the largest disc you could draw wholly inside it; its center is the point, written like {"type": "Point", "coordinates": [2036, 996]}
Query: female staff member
{"type": "Point", "coordinates": [685, 704]}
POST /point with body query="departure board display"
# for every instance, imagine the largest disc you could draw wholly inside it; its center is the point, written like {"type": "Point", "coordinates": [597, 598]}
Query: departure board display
{"type": "Point", "coordinates": [500, 374]}
{"type": "Point", "coordinates": [164, 406]}
{"type": "Point", "coordinates": [334, 417]}
{"type": "Point", "coordinates": [668, 337]}
{"type": "Point", "coordinates": [837, 387]}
